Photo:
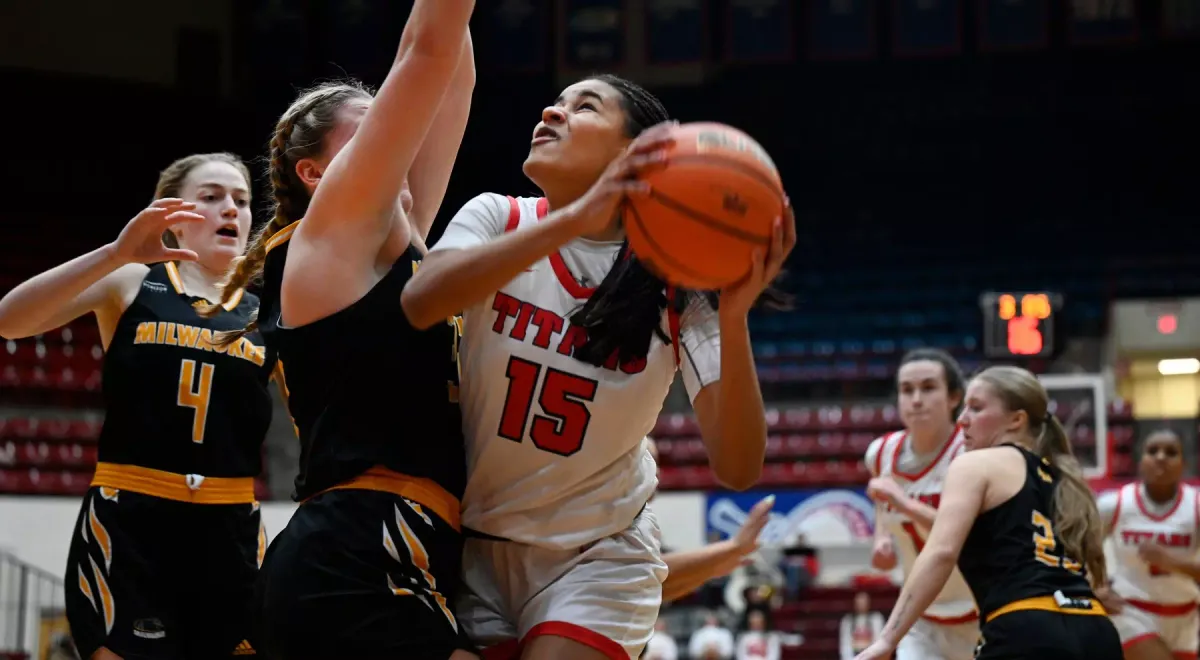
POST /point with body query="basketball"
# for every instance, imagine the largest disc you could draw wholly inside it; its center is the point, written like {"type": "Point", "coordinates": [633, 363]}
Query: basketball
{"type": "Point", "coordinates": [709, 208]}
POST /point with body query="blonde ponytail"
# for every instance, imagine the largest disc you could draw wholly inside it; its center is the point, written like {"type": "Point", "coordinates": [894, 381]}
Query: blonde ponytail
{"type": "Point", "coordinates": [1077, 522]}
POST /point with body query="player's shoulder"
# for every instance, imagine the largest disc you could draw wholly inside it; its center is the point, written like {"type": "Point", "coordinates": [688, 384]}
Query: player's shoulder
{"type": "Point", "coordinates": [497, 204]}
{"type": "Point", "coordinates": [874, 454]}
{"type": "Point", "coordinates": [981, 463]}
{"type": "Point", "coordinates": [1109, 499]}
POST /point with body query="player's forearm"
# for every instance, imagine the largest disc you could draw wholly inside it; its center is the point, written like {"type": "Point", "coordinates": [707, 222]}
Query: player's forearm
{"type": "Point", "coordinates": [737, 453]}
{"type": "Point", "coordinates": [450, 281]}
{"type": "Point", "coordinates": [38, 304]}
{"type": "Point", "coordinates": [688, 570]}
{"type": "Point", "coordinates": [431, 168]}
{"type": "Point", "coordinates": [920, 513]}
{"type": "Point", "coordinates": [881, 531]}
{"type": "Point", "coordinates": [929, 575]}
{"type": "Point", "coordinates": [1188, 566]}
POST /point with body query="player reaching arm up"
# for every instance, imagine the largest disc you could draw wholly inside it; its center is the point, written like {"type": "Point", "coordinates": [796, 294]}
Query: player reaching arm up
{"type": "Point", "coordinates": [342, 249]}
{"type": "Point", "coordinates": [369, 564]}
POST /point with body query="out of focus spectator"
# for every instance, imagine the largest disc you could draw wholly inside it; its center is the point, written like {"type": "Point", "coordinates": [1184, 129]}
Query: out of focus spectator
{"type": "Point", "coordinates": [758, 642]}
{"type": "Point", "coordinates": [712, 641]}
{"type": "Point", "coordinates": [799, 566]}
{"type": "Point", "coordinates": [860, 628]}
{"type": "Point", "coordinates": [662, 645]}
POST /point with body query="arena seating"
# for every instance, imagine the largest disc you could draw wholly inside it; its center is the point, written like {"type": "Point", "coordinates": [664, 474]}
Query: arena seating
{"type": "Point", "coordinates": [818, 614]}
{"type": "Point", "coordinates": [53, 450]}
{"type": "Point", "coordinates": [824, 446]}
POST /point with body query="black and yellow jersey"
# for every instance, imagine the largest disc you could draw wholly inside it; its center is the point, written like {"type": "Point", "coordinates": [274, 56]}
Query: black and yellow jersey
{"type": "Point", "coordinates": [367, 390]}
{"type": "Point", "coordinates": [175, 402]}
{"type": "Point", "coordinates": [1012, 555]}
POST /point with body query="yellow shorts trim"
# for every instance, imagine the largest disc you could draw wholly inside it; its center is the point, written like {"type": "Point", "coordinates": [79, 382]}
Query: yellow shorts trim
{"type": "Point", "coordinates": [1049, 604]}
{"type": "Point", "coordinates": [418, 489]}
{"type": "Point", "coordinates": [189, 488]}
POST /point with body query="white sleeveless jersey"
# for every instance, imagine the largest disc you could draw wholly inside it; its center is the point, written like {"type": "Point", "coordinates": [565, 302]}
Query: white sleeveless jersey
{"type": "Point", "coordinates": [1132, 524]}
{"type": "Point", "coordinates": [554, 445]}
{"type": "Point", "coordinates": [955, 600]}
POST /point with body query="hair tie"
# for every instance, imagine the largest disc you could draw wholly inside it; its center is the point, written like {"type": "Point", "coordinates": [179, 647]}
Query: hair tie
{"type": "Point", "coordinates": [1048, 418]}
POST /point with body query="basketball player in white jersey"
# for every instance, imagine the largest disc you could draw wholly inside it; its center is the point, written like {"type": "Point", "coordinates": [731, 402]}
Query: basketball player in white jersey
{"type": "Point", "coordinates": [909, 468]}
{"type": "Point", "coordinates": [1154, 526]}
{"type": "Point", "coordinates": [569, 348]}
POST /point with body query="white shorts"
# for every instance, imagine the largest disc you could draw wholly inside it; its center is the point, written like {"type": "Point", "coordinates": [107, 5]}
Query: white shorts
{"type": "Point", "coordinates": [606, 595]}
{"type": "Point", "coordinates": [1181, 633]}
{"type": "Point", "coordinates": [937, 641]}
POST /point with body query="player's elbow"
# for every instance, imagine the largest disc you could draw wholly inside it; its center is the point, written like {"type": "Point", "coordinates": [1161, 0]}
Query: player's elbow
{"type": "Point", "coordinates": [420, 305]}
{"type": "Point", "coordinates": [940, 555]}
{"type": "Point", "coordinates": [737, 475]}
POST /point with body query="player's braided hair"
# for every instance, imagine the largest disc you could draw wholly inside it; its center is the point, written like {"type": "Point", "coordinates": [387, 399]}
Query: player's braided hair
{"type": "Point", "coordinates": [625, 311]}
{"type": "Point", "coordinates": [299, 133]}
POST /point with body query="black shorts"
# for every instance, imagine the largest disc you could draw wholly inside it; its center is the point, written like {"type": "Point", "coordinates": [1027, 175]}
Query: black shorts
{"type": "Point", "coordinates": [361, 574]}
{"type": "Point", "coordinates": [1042, 634]}
{"type": "Point", "coordinates": [154, 578]}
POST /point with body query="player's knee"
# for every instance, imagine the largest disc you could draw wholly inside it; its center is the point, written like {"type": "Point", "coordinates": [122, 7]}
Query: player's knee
{"type": "Point", "coordinates": [104, 654]}
{"type": "Point", "coordinates": [1149, 647]}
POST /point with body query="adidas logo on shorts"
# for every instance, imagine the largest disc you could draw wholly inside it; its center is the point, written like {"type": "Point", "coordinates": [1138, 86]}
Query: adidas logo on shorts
{"type": "Point", "coordinates": [244, 649]}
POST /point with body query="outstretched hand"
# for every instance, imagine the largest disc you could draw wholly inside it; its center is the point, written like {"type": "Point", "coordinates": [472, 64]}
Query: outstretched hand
{"type": "Point", "coordinates": [141, 241]}
{"type": "Point", "coordinates": [746, 539]}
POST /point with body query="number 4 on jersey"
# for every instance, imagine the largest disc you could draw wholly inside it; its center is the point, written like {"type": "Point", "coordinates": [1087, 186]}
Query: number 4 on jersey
{"type": "Point", "coordinates": [563, 398]}
{"type": "Point", "coordinates": [196, 397]}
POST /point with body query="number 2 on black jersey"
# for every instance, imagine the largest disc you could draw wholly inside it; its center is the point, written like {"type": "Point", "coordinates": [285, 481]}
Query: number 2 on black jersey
{"type": "Point", "coordinates": [1044, 544]}
{"type": "Point", "coordinates": [196, 395]}
{"type": "Point", "coordinates": [563, 398]}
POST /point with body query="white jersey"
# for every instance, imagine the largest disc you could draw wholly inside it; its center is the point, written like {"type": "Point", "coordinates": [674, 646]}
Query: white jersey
{"type": "Point", "coordinates": [955, 600]}
{"type": "Point", "coordinates": [1132, 522]}
{"type": "Point", "coordinates": [554, 445]}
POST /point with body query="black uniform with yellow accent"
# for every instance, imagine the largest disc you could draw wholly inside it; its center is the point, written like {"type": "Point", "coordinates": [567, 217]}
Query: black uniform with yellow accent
{"type": "Point", "coordinates": [1035, 601]}
{"type": "Point", "coordinates": [169, 539]}
{"type": "Point", "coordinates": [375, 402]}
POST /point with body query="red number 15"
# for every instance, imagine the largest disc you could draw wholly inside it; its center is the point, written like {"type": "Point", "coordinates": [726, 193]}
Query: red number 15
{"type": "Point", "coordinates": [563, 398]}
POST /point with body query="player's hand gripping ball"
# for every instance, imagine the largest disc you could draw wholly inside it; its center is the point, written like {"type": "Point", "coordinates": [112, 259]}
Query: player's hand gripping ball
{"type": "Point", "coordinates": [713, 204]}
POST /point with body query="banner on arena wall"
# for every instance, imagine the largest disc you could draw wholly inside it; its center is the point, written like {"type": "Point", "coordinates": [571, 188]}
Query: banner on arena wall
{"type": "Point", "coordinates": [516, 35]}
{"type": "Point", "coordinates": [593, 33]}
{"type": "Point", "coordinates": [1099, 21]}
{"type": "Point", "coordinates": [676, 31]}
{"type": "Point", "coordinates": [927, 27]}
{"type": "Point", "coordinates": [825, 517]}
{"type": "Point", "coordinates": [1181, 18]}
{"type": "Point", "coordinates": [842, 29]}
{"type": "Point", "coordinates": [758, 31]}
{"type": "Point", "coordinates": [1013, 24]}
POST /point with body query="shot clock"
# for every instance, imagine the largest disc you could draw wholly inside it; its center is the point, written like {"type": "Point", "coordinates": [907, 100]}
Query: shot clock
{"type": "Point", "coordinates": [1019, 324]}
